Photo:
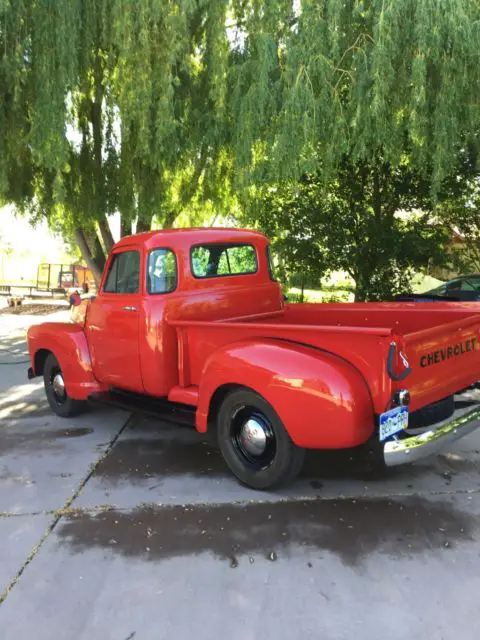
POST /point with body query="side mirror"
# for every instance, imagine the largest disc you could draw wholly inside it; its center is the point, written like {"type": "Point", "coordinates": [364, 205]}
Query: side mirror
{"type": "Point", "coordinates": [285, 297]}
{"type": "Point", "coordinates": [75, 299]}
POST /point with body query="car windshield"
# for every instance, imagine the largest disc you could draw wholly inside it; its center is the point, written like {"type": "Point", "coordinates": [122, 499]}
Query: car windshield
{"type": "Point", "coordinates": [471, 283]}
{"type": "Point", "coordinates": [462, 284]}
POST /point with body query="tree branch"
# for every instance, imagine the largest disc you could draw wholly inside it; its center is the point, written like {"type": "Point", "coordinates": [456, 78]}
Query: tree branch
{"type": "Point", "coordinates": [189, 191]}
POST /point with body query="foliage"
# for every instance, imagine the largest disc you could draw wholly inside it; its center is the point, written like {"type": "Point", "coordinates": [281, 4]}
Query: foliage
{"type": "Point", "coordinates": [155, 109]}
{"type": "Point", "coordinates": [353, 224]}
{"type": "Point", "coordinates": [362, 78]}
{"type": "Point", "coordinates": [463, 216]}
{"type": "Point", "coordinates": [466, 259]}
{"type": "Point", "coordinates": [105, 108]}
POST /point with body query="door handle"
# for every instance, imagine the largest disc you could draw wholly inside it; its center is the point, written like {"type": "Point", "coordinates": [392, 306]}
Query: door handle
{"type": "Point", "coordinates": [127, 308]}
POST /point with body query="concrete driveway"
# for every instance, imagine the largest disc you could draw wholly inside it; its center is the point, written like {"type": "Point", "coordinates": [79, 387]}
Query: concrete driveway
{"type": "Point", "coordinates": [117, 527]}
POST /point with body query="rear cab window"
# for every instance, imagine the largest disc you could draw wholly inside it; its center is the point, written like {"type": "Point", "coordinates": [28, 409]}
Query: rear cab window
{"type": "Point", "coordinates": [124, 273]}
{"type": "Point", "coordinates": [220, 260]}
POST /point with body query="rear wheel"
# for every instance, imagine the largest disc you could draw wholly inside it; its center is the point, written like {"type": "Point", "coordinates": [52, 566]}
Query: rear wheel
{"type": "Point", "coordinates": [57, 396]}
{"type": "Point", "coordinates": [254, 442]}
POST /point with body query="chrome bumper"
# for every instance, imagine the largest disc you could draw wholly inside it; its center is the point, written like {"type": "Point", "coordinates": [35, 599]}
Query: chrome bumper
{"type": "Point", "coordinates": [431, 442]}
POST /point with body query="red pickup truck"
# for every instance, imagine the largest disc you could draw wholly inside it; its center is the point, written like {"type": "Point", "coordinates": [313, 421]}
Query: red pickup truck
{"type": "Point", "coordinates": [191, 324]}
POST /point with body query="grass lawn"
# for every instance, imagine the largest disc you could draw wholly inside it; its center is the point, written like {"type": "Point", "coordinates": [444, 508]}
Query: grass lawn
{"type": "Point", "coordinates": [317, 295]}
{"type": "Point", "coordinates": [420, 283]}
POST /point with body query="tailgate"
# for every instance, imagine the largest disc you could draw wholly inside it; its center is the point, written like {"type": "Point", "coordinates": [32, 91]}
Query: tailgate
{"type": "Point", "coordinates": [444, 359]}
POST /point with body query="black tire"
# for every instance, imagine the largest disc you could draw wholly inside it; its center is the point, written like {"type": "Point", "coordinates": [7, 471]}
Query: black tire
{"type": "Point", "coordinates": [61, 404]}
{"type": "Point", "coordinates": [278, 463]}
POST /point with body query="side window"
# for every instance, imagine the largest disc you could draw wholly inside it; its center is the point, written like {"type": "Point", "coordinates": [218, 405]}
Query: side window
{"type": "Point", "coordinates": [124, 273]}
{"type": "Point", "coordinates": [271, 266]}
{"type": "Point", "coordinates": [469, 285]}
{"type": "Point", "coordinates": [161, 271]}
{"type": "Point", "coordinates": [456, 285]}
{"type": "Point", "coordinates": [223, 260]}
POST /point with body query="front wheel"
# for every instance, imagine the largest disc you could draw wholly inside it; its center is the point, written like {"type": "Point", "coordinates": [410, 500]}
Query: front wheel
{"type": "Point", "coordinates": [57, 396]}
{"type": "Point", "coordinates": [254, 442]}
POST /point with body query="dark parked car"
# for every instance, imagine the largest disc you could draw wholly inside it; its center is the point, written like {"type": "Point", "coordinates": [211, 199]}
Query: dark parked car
{"type": "Point", "coordinates": [463, 289]}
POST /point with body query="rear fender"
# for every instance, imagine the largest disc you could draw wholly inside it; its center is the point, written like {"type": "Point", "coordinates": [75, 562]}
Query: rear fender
{"type": "Point", "coordinates": [68, 343]}
{"type": "Point", "coordinates": [322, 400]}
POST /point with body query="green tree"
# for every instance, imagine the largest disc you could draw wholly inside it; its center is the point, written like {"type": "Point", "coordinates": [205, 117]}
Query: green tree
{"type": "Point", "coordinates": [463, 218]}
{"type": "Point", "coordinates": [376, 223]}
{"type": "Point", "coordinates": [152, 108]}
{"type": "Point", "coordinates": [376, 102]}
{"type": "Point", "coordinates": [365, 79]}
{"type": "Point", "coordinates": [108, 105]}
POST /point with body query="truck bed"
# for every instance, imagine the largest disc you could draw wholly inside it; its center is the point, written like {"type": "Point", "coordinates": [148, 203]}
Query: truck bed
{"type": "Point", "coordinates": [439, 341]}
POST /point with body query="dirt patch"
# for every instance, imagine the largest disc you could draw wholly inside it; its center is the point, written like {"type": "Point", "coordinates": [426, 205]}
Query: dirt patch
{"type": "Point", "coordinates": [33, 309]}
{"type": "Point", "coordinates": [351, 529]}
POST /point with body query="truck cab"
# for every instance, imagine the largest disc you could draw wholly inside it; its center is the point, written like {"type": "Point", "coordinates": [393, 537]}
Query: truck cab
{"type": "Point", "coordinates": [151, 279]}
{"type": "Point", "coordinates": [192, 323]}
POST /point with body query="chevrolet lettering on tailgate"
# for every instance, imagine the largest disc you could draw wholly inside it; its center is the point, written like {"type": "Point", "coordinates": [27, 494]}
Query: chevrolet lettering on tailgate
{"type": "Point", "coordinates": [435, 357]}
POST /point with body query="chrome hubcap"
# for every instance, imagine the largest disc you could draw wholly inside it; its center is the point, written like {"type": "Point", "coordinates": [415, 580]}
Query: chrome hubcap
{"type": "Point", "coordinates": [253, 437]}
{"type": "Point", "coordinates": [58, 385]}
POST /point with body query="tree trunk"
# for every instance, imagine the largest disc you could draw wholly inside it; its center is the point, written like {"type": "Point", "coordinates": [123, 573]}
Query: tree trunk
{"type": "Point", "coordinates": [106, 235]}
{"type": "Point", "coordinates": [125, 227]}
{"type": "Point", "coordinates": [169, 219]}
{"type": "Point", "coordinates": [99, 254]}
{"type": "Point", "coordinates": [144, 224]}
{"type": "Point", "coordinates": [360, 294]}
{"type": "Point", "coordinates": [376, 194]}
{"type": "Point", "coordinates": [93, 262]}
{"type": "Point", "coordinates": [361, 285]}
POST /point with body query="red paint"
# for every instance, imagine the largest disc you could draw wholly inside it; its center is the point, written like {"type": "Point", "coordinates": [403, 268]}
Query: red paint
{"type": "Point", "coordinates": [321, 399]}
{"type": "Point", "coordinates": [322, 367]}
{"type": "Point", "coordinates": [69, 344]}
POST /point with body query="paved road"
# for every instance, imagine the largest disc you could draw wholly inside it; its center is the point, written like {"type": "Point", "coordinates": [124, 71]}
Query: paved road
{"type": "Point", "coordinates": [116, 527]}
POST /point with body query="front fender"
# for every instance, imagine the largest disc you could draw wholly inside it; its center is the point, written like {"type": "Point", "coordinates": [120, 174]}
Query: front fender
{"type": "Point", "coordinates": [322, 400]}
{"type": "Point", "coordinates": [68, 343]}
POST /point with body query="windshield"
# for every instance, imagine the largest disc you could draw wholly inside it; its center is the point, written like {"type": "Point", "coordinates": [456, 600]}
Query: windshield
{"type": "Point", "coordinates": [464, 284]}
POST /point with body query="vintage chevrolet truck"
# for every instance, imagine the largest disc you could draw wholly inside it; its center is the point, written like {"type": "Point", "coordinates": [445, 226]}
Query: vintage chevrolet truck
{"type": "Point", "coordinates": [191, 324]}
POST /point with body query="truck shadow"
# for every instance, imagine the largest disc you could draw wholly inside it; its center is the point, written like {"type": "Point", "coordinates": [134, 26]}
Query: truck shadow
{"type": "Point", "coordinates": [151, 448]}
{"type": "Point", "coordinates": [161, 451]}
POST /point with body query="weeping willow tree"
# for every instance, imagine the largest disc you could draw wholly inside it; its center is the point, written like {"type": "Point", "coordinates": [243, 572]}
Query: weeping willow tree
{"type": "Point", "coordinates": [109, 105]}
{"type": "Point", "coordinates": [324, 90]}
{"type": "Point", "coordinates": [367, 79]}
{"type": "Point", "coordinates": [152, 108]}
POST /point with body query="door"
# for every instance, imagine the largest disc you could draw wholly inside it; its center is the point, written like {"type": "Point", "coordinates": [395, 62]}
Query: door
{"type": "Point", "coordinates": [113, 324]}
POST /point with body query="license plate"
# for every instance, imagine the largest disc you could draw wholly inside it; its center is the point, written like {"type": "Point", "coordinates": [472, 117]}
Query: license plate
{"type": "Point", "coordinates": [393, 421]}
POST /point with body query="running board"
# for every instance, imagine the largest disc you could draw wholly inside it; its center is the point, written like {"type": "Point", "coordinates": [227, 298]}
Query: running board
{"type": "Point", "coordinates": [160, 408]}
